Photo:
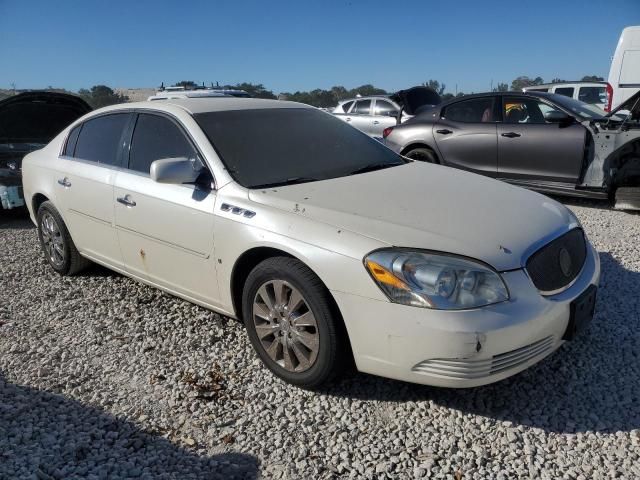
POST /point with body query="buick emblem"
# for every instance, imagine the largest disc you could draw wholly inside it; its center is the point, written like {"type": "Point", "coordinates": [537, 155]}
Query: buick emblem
{"type": "Point", "coordinates": [566, 265]}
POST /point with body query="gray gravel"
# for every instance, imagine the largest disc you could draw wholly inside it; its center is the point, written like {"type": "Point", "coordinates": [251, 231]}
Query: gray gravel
{"type": "Point", "coordinates": [101, 377]}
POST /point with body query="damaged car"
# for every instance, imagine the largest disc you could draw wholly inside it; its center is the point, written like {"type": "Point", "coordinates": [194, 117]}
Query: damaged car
{"type": "Point", "coordinates": [330, 247]}
{"type": "Point", "coordinates": [546, 142]}
{"type": "Point", "coordinates": [28, 121]}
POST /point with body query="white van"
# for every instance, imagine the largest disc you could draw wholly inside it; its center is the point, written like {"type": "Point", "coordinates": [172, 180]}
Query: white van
{"type": "Point", "coordinates": [624, 76]}
{"type": "Point", "coordinates": [594, 93]}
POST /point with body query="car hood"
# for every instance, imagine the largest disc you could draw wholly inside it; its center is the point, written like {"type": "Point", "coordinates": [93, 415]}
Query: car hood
{"type": "Point", "coordinates": [430, 207]}
{"type": "Point", "coordinates": [37, 117]}
{"type": "Point", "coordinates": [416, 99]}
{"type": "Point", "coordinates": [632, 104]}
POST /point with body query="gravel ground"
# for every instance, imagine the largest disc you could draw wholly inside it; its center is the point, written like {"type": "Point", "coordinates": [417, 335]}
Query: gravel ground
{"type": "Point", "coordinates": [101, 377]}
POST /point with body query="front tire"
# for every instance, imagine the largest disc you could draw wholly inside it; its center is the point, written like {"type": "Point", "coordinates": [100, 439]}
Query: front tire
{"type": "Point", "coordinates": [292, 323]}
{"type": "Point", "coordinates": [59, 250]}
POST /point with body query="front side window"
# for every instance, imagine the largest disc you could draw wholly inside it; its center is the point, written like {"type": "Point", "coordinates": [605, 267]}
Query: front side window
{"type": "Point", "coordinates": [525, 110]}
{"type": "Point", "coordinates": [99, 138]}
{"type": "Point", "coordinates": [363, 107]}
{"type": "Point", "coordinates": [475, 110]}
{"type": "Point", "coordinates": [156, 137]}
{"type": "Point", "coordinates": [385, 108]}
{"type": "Point", "coordinates": [278, 146]}
{"type": "Point", "coordinates": [566, 91]}
{"type": "Point", "coordinates": [592, 95]}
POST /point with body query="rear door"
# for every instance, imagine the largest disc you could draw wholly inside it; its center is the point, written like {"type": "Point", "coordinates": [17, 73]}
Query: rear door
{"type": "Point", "coordinates": [165, 230]}
{"type": "Point", "coordinates": [466, 135]}
{"type": "Point", "coordinates": [530, 148]}
{"type": "Point", "coordinates": [385, 114]}
{"type": "Point", "coordinates": [361, 115]}
{"type": "Point", "coordinates": [91, 159]}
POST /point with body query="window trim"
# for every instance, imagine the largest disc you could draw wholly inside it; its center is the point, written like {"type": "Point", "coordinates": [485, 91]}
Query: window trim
{"type": "Point", "coordinates": [81, 124]}
{"type": "Point", "coordinates": [126, 146]}
{"type": "Point", "coordinates": [127, 136]}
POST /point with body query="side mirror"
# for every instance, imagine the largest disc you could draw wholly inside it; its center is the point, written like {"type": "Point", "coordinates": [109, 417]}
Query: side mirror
{"type": "Point", "coordinates": [176, 170]}
{"type": "Point", "coordinates": [556, 116]}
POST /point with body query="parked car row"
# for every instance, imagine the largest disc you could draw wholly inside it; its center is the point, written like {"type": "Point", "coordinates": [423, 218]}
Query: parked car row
{"type": "Point", "coordinates": [333, 249]}
{"type": "Point", "coordinates": [547, 142]}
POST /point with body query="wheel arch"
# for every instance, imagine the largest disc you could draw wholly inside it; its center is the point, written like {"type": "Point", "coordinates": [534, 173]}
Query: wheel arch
{"type": "Point", "coordinates": [36, 200]}
{"type": "Point", "coordinates": [249, 259]}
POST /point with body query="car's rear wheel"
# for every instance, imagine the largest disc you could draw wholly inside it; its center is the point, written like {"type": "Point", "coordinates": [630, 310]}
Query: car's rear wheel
{"type": "Point", "coordinates": [292, 322]}
{"type": "Point", "coordinates": [422, 155]}
{"type": "Point", "coordinates": [59, 250]}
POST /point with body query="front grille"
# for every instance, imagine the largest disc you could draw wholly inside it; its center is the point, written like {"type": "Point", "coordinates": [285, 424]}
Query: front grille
{"type": "Point", "coordinates": [559, 262]}
{"type": "Point", "coordinates": [470, 369]}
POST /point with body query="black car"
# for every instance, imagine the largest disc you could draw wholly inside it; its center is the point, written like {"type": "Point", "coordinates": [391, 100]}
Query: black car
{"type": "Point", "coordinates": [28, 121]}
{"type": "Point", "coordinates": [542, 141]}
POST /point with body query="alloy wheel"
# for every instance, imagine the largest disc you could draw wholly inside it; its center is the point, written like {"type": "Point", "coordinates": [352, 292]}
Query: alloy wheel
{"type": "Point", "coordinates": [286, 326]}
{"type": "Point", "coordinates": [52, 240]}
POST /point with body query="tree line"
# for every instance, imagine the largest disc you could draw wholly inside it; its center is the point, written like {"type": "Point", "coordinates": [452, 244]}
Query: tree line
{"type": "Point", "coordinates": [102, 95]}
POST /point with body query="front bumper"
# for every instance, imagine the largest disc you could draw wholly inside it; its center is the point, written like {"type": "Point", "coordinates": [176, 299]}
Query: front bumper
{"type": "Point", "coordinates": [464, 348]}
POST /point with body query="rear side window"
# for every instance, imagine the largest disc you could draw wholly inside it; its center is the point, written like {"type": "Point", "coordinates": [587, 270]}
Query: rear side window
{"type": "Point", "coordinates": [476, 110]}
{"type": "Point", "coordinates": [99, 138]}
{"type": "Point", "coordinates": [363, 107]}
{"type": "Point", "coordinates": [154, 138]}
{"type": "Point", "coordinates": [566, 91]}
{"type": "Point", "coordinates": [592, 95]}
{"type": "Point", "coordinates": [385, 108]}
{"type": "Point", "coordinates": [70, 147]}
{"type": "Point", "coordinates": [346, 106]}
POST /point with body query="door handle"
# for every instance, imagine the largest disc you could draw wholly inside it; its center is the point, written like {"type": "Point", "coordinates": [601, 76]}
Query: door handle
{"type": "Point", "coordinates": [64, 182]}
{"type": "Point", "coordinates": [348, 119]}
{"type": "Point", "coordinates": [376, 122]}
{"type": "Point", "coordinates": [444, 131]}
{"type": "Point", "coordinates": [510, 134]}
{"type": "Point", "coordinates": [126, 200]}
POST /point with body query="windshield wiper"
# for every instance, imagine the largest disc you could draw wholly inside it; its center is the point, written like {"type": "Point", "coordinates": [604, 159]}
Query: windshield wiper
{"type": "Point", "coordinates": [375, 166]}
{"type": "Point", "coordinates": [288, 181]}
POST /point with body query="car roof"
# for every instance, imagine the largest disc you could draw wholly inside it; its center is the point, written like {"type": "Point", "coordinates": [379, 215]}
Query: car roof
{"type": "Point", "coordinates": [206, 104]}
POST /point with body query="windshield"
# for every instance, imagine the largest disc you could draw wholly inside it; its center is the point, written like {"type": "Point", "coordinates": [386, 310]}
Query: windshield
{"type": "Point", "coordinates": [581, 109]}
{"type": "Point", "coordinates": [279, 146]}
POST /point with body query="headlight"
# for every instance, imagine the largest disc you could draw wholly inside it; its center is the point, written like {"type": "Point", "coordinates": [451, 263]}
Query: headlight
{"type": "Point", "coordinates": [433, 280]}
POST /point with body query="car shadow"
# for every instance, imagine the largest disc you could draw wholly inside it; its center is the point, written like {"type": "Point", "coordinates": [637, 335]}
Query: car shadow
{"type": "Point", "coordinates": [15, 219]}
{"type": "Point", "coordinates": [49, 436]}
{"type": "Point", "coordinates": [591, 383]}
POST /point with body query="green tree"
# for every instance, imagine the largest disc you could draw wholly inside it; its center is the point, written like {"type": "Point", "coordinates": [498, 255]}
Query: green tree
{"type": "Point", "coordinates": [557, 80]}
{"type": "Point", "coordinates": [366, 90]}
{"type": "Point", "coordinates": [524, 81]}
{"type": "Point", "coordinates": [435, 85]}
{"type": "Point", "coordinates": [592, 78]}
{"type": "Point", "coordinates": [256, 90]}
{"type": "Point", "coordinates": [501, 87]}
{"type": "Point", "coordinates": [101, 96]}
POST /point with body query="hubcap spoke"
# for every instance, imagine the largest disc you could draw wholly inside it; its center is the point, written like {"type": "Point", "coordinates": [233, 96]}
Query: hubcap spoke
{"type": "Point", "coordinates": [285, 326]}
{"type": "Point", "coordinates": [307, 319]}
{"type": "Point", "coordinates": [52, 239]}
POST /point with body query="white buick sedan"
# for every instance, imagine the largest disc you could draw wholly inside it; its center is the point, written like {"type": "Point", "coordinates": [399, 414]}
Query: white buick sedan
{"type": "Point", "coordinates": [331, 248]}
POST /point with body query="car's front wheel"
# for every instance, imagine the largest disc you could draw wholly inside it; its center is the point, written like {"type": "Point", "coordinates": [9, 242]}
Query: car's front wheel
{"type": "Point", "coordinates": [59, 250]}
{"type": "Point", "coordinates": [292, 323]}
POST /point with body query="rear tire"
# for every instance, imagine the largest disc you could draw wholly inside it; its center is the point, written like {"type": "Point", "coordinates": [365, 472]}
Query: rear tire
{"type": "Point", "coordinates": [422, 155]}
{"type": "Point", "coordinates": [57, 246]}
{"type": "Point", "coordinates": [293, 324]}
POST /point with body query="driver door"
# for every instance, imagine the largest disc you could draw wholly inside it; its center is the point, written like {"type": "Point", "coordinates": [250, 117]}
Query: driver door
{"type": "Point", "coordinates": [165, 230]}
{"type": "Point", "coordinates": [533, 149]}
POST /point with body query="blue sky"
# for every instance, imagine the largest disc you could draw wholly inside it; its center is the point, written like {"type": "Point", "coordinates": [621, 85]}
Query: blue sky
{"type": "Point", "coordinates": [288, 45]}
